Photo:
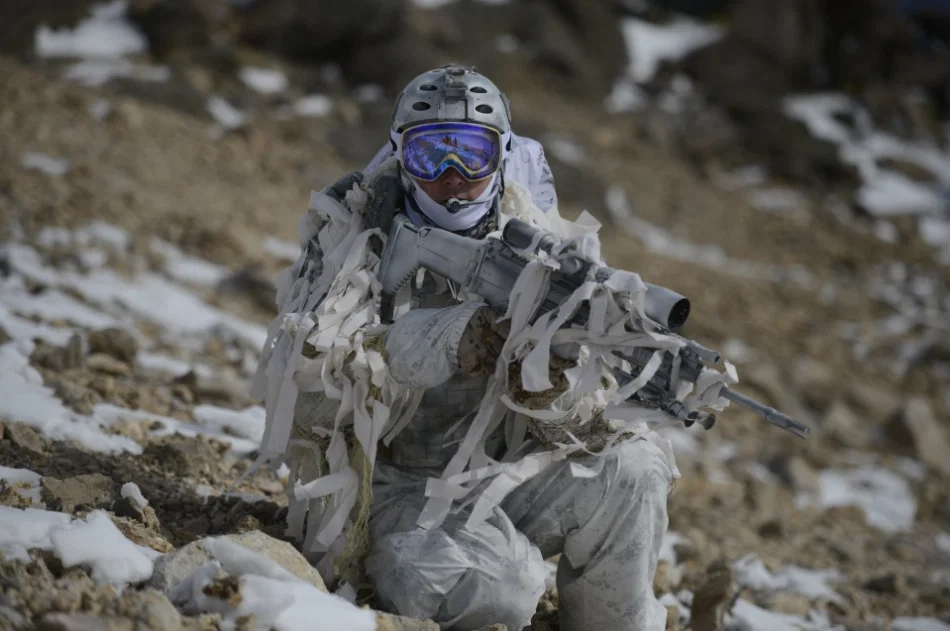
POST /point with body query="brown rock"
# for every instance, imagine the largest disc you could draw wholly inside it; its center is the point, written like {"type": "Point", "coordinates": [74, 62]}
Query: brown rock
{"type": "Point", "coordinates": [672, 618]}
{"type": "Point", "coordinates": [184, 393]}
{"type": "Point", "coordinates": [389, 622]}
{"type": "Point", "coordinates": [815, 380]}
{"type": "Point", "coordinates": [578, 42]}
{"type": "Point", "coordinates": [887, 584]}
{"type": "Point", "coordinates": [73, 395]}
{"type": "Point", "coordinates": [846, 426]}
{"type": "Point", "coordinates": [247, 523]}
{"type": "Point", "coordinates": [791, 32]}
{"type": "Point", "coordinates": [100, 362]}
{"type": "Point", "coordinates": [150, 608]}
{"type": "Point", "coordinates": [92, 490]}
{"type": "Point", "coordinates": [23, 437]}
{"type": "Point", "coordinates": [171, 569]}
{"type": "Point", "coordinates": [10, 496]}
{"type": "Point", "coordinates": [127, 507]}
{"type": "Point", "coordinates": [916, 430]}
{"type": "Point", "coordinates": [105, 385]}
{"type": "Point", "coordinates": [661, 578]}
{"type": "Point", "coordinates": [4, 336]}
{"type": "Point", "coordinates": [186, 457]}
{"type": "Point", "coordinates": [786, 602]}
{"type": "Point", "coordinates": [115, 342]}
{"type": "Point", "coordinates": [226, 588]}
{"type": "Point", "coordinates": [317, 30]}
{"type": "Point", "coordinates": [23, 17]}
{"type": "Point", "coordinates": [61, 358]}
{"type": "Point", "coordinates": [712, 598]}
{"type": "Point", "coordinates": [83, 622]}
{"type": "Point", "coordinates": [801, 475]}
{"type": "Point", "coordinates": [136, 430]}
{"type": "Point", "coordinates": [872, 402]}
{"type": "Point", "coordinates": [138, 533]}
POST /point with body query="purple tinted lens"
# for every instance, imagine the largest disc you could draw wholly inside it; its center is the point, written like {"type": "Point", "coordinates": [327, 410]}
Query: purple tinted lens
{"type": "Point", "coordinates": [428, 150]}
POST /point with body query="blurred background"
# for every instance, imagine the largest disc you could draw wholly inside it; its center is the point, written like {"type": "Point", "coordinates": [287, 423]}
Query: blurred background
{"type": "Point", "coordinates": [783, 163]}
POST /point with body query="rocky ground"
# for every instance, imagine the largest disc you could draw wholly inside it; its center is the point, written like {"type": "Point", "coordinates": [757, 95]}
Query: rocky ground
{"type": "Point", "coordinates": [146, 216]}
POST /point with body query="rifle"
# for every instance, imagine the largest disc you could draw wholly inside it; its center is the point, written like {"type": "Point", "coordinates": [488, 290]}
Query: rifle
{"type": "Point", "coordinates": [489, 269]}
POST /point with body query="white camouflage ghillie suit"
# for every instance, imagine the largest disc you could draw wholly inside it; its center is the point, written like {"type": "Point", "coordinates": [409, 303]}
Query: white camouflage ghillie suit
{"type": "Point", "coordinates": [605, 514]}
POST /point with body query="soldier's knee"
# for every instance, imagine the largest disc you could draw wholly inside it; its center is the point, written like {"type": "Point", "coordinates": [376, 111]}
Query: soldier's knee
{"type": "Point", "coordinates": [639, 466]}
{"type": "Point", "coordinates": [427, 574]}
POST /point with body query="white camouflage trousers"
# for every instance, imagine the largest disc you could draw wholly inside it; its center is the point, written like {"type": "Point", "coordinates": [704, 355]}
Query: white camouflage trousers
{"type": "Point", "coordinates": [607, 528]}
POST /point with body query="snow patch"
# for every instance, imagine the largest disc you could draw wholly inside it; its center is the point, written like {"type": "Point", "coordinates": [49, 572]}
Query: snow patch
{"type": "Point", "coordinates": [155, 299]}
{"type": "Point", "coordinates": [668, 546]}
{"type": "Point", "coordinates": [97, 72]}
{"type": "Point", "coordinates": [313, 105]}
{"type": "Point", "coordinates": [648, 44]}
{"type": "Point", "coordinates": [132, 491]}
{"type": "Point", "coordinates": [276, 598]}
{"type": "Point", "coordinates": [105, 234]}
{"type": "Point", "coordinates": [45, 163]}
{"type": "Point", "coordinates": [185, 268]}
{"type": "Point", "coordinates": [106, 33]}
{"type": "Point", "coordinates": [884, 191]}
{"type": "Point", "coordinates": [28, 401]}
{"type": "Point", "coordinates": [247, 423]}
{"type": "Point", "coordinates": [53, 305]}
{"type": "Point", "coordinates": [22, 529]}
{"type": "Point", "coordinates": [27, 331]}
{"type": "Point", "coordinates": [167, 426]}
{"type": "Point", "coordinates": [746, 616]}
{"type": "Point", "coordinates": [283, 250]}
{"type": "Point", "coordinates": [565, 149]}
{"type": "Point", "coordinates": [264, 80]}
{"type": "Point", "coordinates": [224, 113]}
{"type": "Point", "coordinates": [886, 498]}
{"type": "Point", "coordinates": [98, 543]}
{"type": "Point", "coordinates": [751, 572]}
{"type": "Point", "coordinates": [918, 624]}
{"type": "Point", "coordinates": [625, 96]}
{"type": "Point", "coordinates": [94, 541]}
{"type": "Point", "coordinates": [166, 364]}
{"type": "Point", "coordinates": [24, 482]}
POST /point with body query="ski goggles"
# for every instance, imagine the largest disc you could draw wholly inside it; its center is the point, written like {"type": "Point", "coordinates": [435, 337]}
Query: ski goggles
{"type": "Point", "coordinates": [427, 151]}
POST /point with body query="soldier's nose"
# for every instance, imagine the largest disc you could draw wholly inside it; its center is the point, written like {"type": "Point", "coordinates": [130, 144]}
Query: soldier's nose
{"type": "Point", "coordinates": [453, 180]}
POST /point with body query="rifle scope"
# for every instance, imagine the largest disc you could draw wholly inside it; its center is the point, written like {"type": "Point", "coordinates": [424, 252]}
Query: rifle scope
{"type": "Point", "coordinates": [662, 305]}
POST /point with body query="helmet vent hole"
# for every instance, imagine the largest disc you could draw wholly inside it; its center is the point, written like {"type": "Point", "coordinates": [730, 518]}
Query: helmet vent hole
{"type": "Point", "coordinates": [428, 87]}
{"type": "Point", "coordinates": [478, 89]}
{"type": "Point", "coordinates": [421, 106]}
{"type": "Point", "coordinates": [484, 109]}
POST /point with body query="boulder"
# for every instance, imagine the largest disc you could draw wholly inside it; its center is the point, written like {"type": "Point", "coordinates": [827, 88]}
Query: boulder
{"type": "Point", "coordinates": [175, 567]}
{"type": "Point", "coordinates": [916, 432]}
{"type": "Point", "coordinates": [19, 20]}
{"type": "Point", "coordinates": [92, 490]}
{"type": "Point", "coordinates": [579, 42]}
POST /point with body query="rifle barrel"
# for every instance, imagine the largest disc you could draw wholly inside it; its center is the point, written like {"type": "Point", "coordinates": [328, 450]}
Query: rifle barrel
{"type": "Point", "coordinates": [771, 415]}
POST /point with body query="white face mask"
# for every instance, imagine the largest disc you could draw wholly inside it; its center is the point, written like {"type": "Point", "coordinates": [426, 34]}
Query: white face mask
{"type": "Point", "coordinates": [469, 213]}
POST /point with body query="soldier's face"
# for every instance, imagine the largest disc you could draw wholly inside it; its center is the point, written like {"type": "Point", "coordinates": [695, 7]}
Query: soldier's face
{"type": "Point", "coordinates": [451, 184]}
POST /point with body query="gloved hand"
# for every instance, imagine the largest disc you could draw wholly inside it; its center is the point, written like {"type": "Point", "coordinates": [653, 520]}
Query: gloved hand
{"type": "Point", "coordinates": [338, 189]}
{"type": "Point", "coordinates": [385, 192]}
{"type": "Point", "coordinates": [544, 398]}
{"type": "Point", "coordinates": [482, 342]}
